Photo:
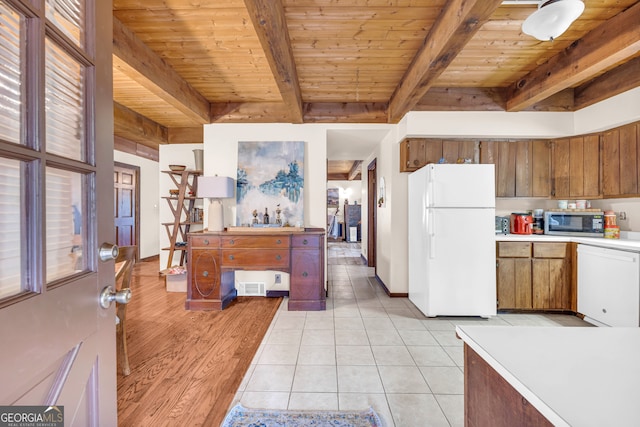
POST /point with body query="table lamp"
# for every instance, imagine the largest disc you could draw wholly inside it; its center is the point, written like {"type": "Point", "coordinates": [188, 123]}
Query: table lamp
{"type": "Point", "coordinates": [215, 188]}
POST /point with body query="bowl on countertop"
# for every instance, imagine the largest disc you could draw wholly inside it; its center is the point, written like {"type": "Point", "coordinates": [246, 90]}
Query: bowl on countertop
{"type": "Point", "coordinates": [177, 168]}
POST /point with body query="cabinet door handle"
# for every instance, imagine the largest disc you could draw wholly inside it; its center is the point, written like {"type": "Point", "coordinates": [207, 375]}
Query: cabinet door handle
{"type": "Point", "coordinates": [205, 273]}
{"type": "Point", "coordinates": [278, 241]}
{"type": "Point", "coordinates": [278, 257]}
{"type": "Point", "coordinates": [304, 242]}
{"type": "Point", "coordinates": [231, 257]}
{"type": "Point", "coordinates": [305, 274]}
{"type": "Point", "coordinates": [206, 241]}
{"type": "Point", "coordinates": [604, 310]}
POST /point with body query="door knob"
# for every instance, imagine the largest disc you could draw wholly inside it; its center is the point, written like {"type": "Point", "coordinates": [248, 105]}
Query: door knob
{"type": "Point", "coordinates": [108, 252]}
{"type": "Point", "coordinates": [108, 295]}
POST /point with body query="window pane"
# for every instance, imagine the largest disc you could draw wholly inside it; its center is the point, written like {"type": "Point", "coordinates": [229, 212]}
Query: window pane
{"type": "Point", "coordinates": [66, 233]}
{"type": "Point", "coordinates": [69, 16]}
{"type": "Point", "coordinates": [10, 221]}
{"type": "Point", "coordinates": [10, 84]}
{"type": "Point", "coordinates": [64, 103]}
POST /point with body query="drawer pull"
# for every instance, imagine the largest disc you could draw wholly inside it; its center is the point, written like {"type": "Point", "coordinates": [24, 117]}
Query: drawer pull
{"type": "Point", "coordinates": [206, 241]}
{"type": "Point", "coordinates": [232, 242]}
{"type": "Point", "coordinates": [604, 310]}
{"type": "Point", "coordinates": [231, 257]}
{"type": "Point", "coordinates": [205, 273]}
{"type": "Point", "coordinates": [278, 257]}
{"type": "Point", "coordinates": [304, 242]}
{"type": "Point", "coordinates": [278, 241]}
{"type": "Point", "coordinates": [305, 274]}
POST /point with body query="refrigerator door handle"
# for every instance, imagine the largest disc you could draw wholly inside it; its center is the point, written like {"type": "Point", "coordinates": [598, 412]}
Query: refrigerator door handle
{"type": "Point", "coordinates": [431, 232]}
{"type": "Point", "coordinates": [431, 196]}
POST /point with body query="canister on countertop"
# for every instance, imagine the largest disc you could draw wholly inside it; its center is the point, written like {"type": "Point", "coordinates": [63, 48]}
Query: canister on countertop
{"type": "Point", "coordinates": [612, 232]}
{"type": "Point", "coordinates": [538, 221]}
{"type": "Point", "coordinates": [609, 219]}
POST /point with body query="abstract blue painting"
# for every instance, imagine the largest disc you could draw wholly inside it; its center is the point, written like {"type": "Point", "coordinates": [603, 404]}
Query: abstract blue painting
{"type": "Point", "coordinates": [271, 179]}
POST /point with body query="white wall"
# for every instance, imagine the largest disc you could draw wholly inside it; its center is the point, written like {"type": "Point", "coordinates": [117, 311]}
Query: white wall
{"type": "Point", "coordinates": [171, 154]}
{"type": "Point", "coordinates": [149, 203]}
{"type": "Point", "coordinates": [220, 145]}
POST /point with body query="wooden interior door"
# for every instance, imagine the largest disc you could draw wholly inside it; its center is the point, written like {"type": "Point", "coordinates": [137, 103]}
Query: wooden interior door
{"type": "Point", "coordinates": [126, 204]}
{"type": "Point", "coordinates": [58, 344]}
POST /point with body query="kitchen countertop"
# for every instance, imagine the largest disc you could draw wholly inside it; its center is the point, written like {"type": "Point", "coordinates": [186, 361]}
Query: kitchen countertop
{"type": "Point", "coordinates": [572, 376]}
{"type": "Point", "coordinates": [629, 244]}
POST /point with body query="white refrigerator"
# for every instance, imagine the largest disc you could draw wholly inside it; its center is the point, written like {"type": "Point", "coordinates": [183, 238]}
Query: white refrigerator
{"type": "Point", "coordinates": [452, 258]}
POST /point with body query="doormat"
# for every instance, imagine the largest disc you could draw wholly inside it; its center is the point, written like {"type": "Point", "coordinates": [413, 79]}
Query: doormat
{"type": "Point", "coordinates": [240, 416]}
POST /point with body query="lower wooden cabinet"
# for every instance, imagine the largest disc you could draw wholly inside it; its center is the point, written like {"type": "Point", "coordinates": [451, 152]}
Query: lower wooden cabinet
{"type": "Point", "coordinates": [534, 275]}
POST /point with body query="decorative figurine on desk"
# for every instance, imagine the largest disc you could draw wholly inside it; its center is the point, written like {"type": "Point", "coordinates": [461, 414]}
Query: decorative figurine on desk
{"type": "Point", "coordinates": [278, 211]}
{"type": "Point", "coordinates": [265, 218]}
{"type": "Point", "coordinates": [255, 216]}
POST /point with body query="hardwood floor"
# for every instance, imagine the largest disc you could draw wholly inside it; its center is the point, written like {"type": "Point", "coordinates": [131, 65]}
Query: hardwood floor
{"type": "Point", "coordinates": [185, 366]}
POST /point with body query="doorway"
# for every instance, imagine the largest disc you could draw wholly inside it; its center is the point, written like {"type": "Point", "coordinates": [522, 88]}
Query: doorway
{"type": "Point", "coordinates": [372, 198]}
{"type": "Point", "coordinates": [126, 204]}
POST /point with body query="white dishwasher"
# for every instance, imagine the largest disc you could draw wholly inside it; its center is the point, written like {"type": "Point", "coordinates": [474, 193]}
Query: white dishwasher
{"type": "Point", "coordinates": [609, 286]}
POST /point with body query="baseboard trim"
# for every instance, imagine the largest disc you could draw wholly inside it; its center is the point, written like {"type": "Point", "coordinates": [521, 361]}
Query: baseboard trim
{"type": "Point", "coordinates": [150, 258]}
{"type": "Point", "coordinates": [276, 294]}
{"type": "Point", "coordinates": [391, 294]}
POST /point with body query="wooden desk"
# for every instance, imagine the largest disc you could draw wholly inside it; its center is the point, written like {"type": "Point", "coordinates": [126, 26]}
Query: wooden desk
{"type": "Point", "coordinates": [213, 257]}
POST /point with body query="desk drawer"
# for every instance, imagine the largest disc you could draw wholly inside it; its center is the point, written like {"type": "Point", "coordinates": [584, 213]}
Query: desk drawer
{"type": "Point", "coordinates": [306, 241]}
{"type": "Point", "coordinates": [204, 241]}
{"type": "Point", "coordinates": [250, 242]}
{"type": "Point", "coordinates": [247, 259]}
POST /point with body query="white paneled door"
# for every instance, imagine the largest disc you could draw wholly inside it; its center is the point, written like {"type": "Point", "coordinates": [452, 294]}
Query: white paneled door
{"type": "Point", "coordinates": [56, 208]}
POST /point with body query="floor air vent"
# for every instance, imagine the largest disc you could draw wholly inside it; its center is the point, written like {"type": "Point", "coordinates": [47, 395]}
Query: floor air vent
{"type": "Point", "coordinates": [251, 289]}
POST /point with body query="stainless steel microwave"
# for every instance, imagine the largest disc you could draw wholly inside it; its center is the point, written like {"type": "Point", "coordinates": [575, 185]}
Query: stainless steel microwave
{"type": "Point", "coordinates": [574, 223]}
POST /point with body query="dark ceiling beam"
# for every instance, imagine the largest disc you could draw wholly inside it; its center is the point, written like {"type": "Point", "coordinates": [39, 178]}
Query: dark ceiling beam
{"type": "Point", "coordinates": [135, 148]}
{"type": "Point", "coordinates": [611, 83]}
{"type": "Point", "coordinates": [137, 61]}
{"type": "Point", "coordinates": [345, 112]}
{"type": "Point", "coordinates": [130, 125]}
{"type": "Point", "coordinates": [270, 23]}
{"type": "Point", "coordinates": [457, 24]}
{"type": "Point", "coordinates": [249, 112]}
{"type": "Point", "coordinates": [186, 135]}
{"type": "Point", "coordinates": [337, 176]}
{"type": "Point", "coordinates": [610, 43]}
{"type": "Point", "coordinates": [355, 171]}
{"type": "Point", "coordinates": [485, 99]}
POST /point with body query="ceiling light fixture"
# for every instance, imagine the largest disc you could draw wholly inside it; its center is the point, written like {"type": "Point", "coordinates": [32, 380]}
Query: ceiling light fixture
{"type": "Point", "coordinates": [552, 18]}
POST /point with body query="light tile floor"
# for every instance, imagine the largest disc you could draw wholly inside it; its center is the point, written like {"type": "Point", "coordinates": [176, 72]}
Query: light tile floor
{"type": "Point", "coordinates": [366, 350]}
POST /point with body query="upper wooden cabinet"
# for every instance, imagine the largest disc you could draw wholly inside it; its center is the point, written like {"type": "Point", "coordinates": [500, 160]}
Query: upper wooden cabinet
{"type": "Point", "coordinates": [576, 167]}
{"type": "Point", "coordinates": [417, 152]}
{"type": "Point", "coordinates": [581, 167]}
{"type": "Point", "coordinates": [522, 167]}
{"type": "Point", "coordinates": [620, 169]}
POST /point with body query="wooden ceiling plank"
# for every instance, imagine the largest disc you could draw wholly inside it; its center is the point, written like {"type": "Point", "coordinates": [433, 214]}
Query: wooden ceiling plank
{"type": "Point", "coordinates": [611, 83]}
{"type": "Point", "coordinates": [355, 170]}
{"type": "Point", "coordinates": [270, 23]}
{"type": "Point", "coordinates": [610, 43]}
{"type": "Point", "coordinates": [132, 126]}
{"type": "Point", "coordinates": [139, 62]}
{"type": "Point", "coordinates": [457, 24]}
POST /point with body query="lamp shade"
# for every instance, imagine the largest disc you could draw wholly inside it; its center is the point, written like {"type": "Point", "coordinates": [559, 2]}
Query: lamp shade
{"type": "Point", "coordinates": [215, 187]}
{"type": "Point", "coordinates": [552, 18]}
